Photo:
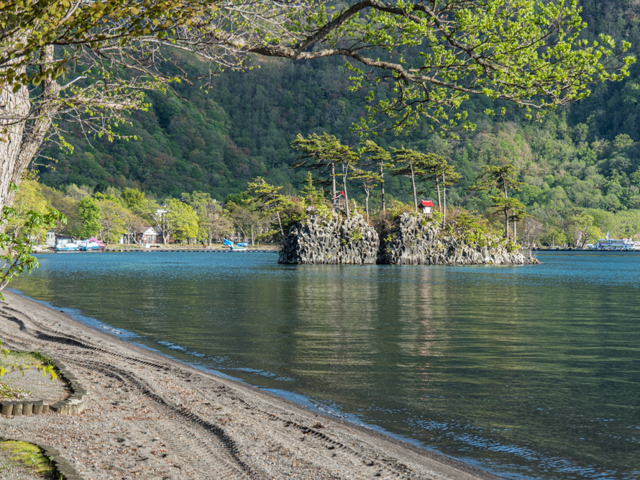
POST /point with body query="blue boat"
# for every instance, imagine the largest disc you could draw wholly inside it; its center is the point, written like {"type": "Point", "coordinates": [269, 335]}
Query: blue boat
{"type": "Point", "coordinates": [236, 247]}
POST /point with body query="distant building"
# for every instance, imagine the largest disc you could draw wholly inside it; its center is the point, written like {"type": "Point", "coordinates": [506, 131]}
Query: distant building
{"type": "Point", "coordinates": [141, 236]}
{"type": "Point", "coordinates": [51, 238]}
{"type": "Point", "coordinates": [149, 236]}
{"type": "Point", "coordinates": [427, 207]}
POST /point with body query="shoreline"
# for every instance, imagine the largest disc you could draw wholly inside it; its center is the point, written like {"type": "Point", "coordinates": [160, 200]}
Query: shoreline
{"type": "Point", "coordinates": [151, 416]}
{"type": "Point", "coordinates": [156, 250]}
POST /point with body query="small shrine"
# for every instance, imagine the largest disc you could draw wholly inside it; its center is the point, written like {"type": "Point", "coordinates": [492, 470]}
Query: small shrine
{"type": "Point", "coordinates": [340, 201]}
{"type": "Point", "coordinates": [427, 207]}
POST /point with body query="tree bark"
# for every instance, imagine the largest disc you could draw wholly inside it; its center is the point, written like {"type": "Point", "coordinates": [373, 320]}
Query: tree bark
{"type": "Point", "coordinates": [14, 112]}
{"type": "Point", "coordinates": [506, 223]}
{"type": "Point", "coordinates": [413, 184]}
{"type": "Point", "coordinates": [384, 207]}
{"type": "Point", "coordinates": [345, 169]}
{"type": "Point", "coordinates": [506, 209]}
{"type": "Point", "coordinates": [366, 201]}
{"type": "Point", "coordinates": [281, 229]}
{"type": "Point", "coordinates": [333, 186]}
{"type": "Point", "coordinates": [444, 201]}
{"type": "Point", "coordinates": [22, 131]}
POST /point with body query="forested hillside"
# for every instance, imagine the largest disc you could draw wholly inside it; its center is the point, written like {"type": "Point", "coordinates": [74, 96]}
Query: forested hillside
{"type": "Point", "coordinates": [586, 156]}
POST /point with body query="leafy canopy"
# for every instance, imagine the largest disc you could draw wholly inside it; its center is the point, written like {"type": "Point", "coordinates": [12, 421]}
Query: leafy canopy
{"type": "Point", "coordinates": [433, 54]}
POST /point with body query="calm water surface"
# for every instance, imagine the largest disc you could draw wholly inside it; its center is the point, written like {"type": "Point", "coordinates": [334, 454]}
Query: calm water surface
{"type": "Point", "coordinates": [529, 372]}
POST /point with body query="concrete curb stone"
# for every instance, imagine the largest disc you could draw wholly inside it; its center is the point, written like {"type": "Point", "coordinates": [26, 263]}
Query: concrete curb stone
{"type": "Point", "coordinates": [72, 405]}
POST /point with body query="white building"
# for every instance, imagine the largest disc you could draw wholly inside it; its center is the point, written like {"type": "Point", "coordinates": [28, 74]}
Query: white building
{"type": "Point", "coordinates": [51, 238]}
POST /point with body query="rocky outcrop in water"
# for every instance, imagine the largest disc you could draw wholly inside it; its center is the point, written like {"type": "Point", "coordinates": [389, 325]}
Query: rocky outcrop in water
{"type": "Point", "coordinates": [413, 240]}
{"type": "Point", "coordinates": [331, 240]}
{"type": "Point", "coordinates": [416, 240]}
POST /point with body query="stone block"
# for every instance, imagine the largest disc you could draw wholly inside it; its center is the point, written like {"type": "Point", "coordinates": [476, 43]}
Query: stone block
{"type": "Point", "coordinates": [6, 407]}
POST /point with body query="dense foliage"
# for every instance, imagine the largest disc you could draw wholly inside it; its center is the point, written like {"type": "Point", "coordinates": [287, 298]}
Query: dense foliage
{"type": "Point", "coordinates": [580, 160]}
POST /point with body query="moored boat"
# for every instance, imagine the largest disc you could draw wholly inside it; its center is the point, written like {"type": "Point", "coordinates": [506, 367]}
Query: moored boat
{"type": "Point", "coordinates": [616, 244]}
{"type": "Point", "coordinates": [87, 246]}
{"type": "Point", "coordinates": [67, 247]}
{"type": "Point", "coordinates": [236, 247]}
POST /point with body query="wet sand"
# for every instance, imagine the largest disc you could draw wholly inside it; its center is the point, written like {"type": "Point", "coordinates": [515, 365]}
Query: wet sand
{"type": "Point", "coordinates": [151, 417]}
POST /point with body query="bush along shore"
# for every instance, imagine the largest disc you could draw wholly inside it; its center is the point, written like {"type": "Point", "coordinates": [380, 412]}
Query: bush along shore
{"type": "Point", "coordinates": [410, 239]}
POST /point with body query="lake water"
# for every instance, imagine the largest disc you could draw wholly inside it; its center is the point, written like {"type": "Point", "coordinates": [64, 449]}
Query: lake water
{"type": "Point", "coordinates": [528, 372]}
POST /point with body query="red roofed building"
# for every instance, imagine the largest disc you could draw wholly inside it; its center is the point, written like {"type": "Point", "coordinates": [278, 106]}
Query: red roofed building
{"type": "Point", "coordinates": [340, 201]}
{"type": "Point", "coordinates": [427, 206]}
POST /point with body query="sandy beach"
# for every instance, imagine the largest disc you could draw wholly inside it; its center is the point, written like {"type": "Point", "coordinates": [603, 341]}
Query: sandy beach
{"type": "Point", "coordinates": [151, 417]}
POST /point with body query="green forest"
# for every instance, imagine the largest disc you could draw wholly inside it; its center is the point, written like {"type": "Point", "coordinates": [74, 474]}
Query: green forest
{"type": "Point", "coordinates": [580, 165]}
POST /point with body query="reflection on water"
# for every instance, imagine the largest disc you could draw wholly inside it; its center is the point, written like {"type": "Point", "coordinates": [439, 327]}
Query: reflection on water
{"type": "Point", "coordinates": [527, 371]}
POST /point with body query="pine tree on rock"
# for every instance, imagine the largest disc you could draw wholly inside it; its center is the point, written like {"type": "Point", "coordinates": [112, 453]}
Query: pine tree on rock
{"type": "Point", "coordinates": [324, 153]}
{"type": "Point", "coordinates": [412, 164]}
{"type": "Point", "coordinates": [374, 155]}
{"type": "Point", "coordinates": [501, 181]}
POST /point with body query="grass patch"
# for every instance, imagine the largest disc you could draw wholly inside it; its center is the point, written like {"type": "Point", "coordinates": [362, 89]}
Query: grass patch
{"type": "Point", "coordinates": [29, 456]}
{"type": "Point", "coordinates": [44, 360]}
{"type": "Point", "coordinates": [14, 357]}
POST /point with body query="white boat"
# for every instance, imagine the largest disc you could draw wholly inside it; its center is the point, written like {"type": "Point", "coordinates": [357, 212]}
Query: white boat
{"type": "Point", "coordinates": [616, 244]}
{"type": "Point", "coordinates": [87, 246]}
{"type": "Point", "coordinates": [67, 247]}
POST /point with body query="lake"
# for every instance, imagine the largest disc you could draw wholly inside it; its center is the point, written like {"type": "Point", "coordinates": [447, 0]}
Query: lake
{"type": "Point", "coordinates": [528, 372]}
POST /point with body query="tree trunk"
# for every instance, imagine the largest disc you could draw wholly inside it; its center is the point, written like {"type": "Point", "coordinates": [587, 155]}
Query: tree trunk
{"type": "Point", "coordinates": [506, 209]}
{"type": "Point", "coordinates": [366, 202]}
{"type": "Point", "coordinates": [239, 232]}
{"type": "Point", "coordinates": [281, 229]}
{"type": "Point", "coordinates": [437, 178]}
{"type": "Point", "coordinates": [384, 207]}
{"type": "Point", "coordinates": [13, 106]}
{"type": "Point", "coordinates": [413, 184]}
{"type": "Point", "coordinates": [165, 232]}
{"type": "Point", "coordinates": [21, 135]}
{"type": "Point", "coordinates": [444, 201]}
{"type": "Point", "coordinates": [345, 169]}
{"type": "Point", "coordinates": [506, 222]}
{"type": "Point", "coordinates": [333, 187]}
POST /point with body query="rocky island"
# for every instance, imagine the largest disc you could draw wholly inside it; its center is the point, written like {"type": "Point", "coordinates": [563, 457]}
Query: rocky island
{"type": "Point", "coordinates": [412, 239]}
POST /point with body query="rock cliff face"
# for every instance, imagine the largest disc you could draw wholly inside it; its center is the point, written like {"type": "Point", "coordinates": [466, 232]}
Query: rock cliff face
{"type": "Point", "coordinates": [417, 241]}
{"type": "Point", "coordinates": [414, 240]}
{"type": "Point", "coordinates": [336, 240]}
